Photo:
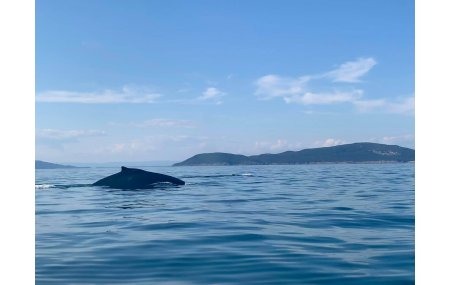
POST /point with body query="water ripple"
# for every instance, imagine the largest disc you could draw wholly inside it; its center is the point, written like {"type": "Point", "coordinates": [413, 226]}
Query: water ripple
{"type": "Point", "coordinates": [300, 224]}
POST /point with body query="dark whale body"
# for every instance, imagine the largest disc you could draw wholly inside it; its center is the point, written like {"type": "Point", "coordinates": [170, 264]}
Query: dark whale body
{"type": "Point", "coordinates": [132, 178]}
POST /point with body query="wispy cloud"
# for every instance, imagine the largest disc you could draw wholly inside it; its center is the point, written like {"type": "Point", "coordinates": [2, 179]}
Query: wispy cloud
{"type": "Point", "coordinates": [167, 123]}
{"type": "Point", "coordinates": [367, 105]}
{"type": "Point", "coordinates": [128, 94]}
{"type": "Point", "coordinates": [230, 76]}
{"type": "Point", "coordinates": [298, 90]}
{"type": "Point", "coordinates": [212, 94]}
{"type": "Point", "coordinates": [310, 98]}
{"type": "Point", "coordinates": [146, 146]}
{"type": "Point", "coordinates": [274, 146]}
{"type": "Point", "coordinates": [65, 135]}
{"type": "Point", "coordinates": [126, 148]}
{"type": "Point", "coordinates": [351, 71]}
{"type": "Point", "coordinates": [404, 105]}
{"type": "Point", "coordinates": [329, 142]}
{"type": "Point", "coordinates": [270, 86]}
{"type": "Point", "coordinates": [295, 90]}
{"type": "Point", "coordinates": [162, 123]}
{"type": "Point", "coordinates": [398, 106]}
{"type": "Point", "coordinates": [407, 139]}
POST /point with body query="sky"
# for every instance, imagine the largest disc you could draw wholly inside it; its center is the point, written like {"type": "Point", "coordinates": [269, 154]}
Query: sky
{"type": "Point", "coordinates": [165, 80]}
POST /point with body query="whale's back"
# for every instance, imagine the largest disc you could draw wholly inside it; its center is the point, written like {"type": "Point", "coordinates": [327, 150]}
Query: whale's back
{"type": "Point", "coordinates": [132, 178]}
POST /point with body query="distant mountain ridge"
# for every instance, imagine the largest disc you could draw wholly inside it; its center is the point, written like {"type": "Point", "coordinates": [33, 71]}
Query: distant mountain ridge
{"type": "Point", "coordinates": [39, 164]}
{"type": "Point", "coordinates": [346, 153]}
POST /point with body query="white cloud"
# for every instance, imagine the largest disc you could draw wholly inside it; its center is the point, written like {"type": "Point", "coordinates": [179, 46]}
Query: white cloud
{"type": "Point", "coordinates": [132, 147]}
{"type": "Point", "coordinates": [351, 71]}
{"type": "Point", "coordinates": [406, 140]}
{"type": "Point", "coordinates": [165, 123]}
{"type": "Point", "coordinates": [274, 146]}
{"type": "Point", "coordinates": [212, 94]}
{"type": "Point", "coordinates": [125, 148]}
{"type": "Point", "coordinates": [63, 135]}
{"type": "Point", "coordinates": [310, 98]}
{"type": "Point", "coordinates": [128, 94]}
{"type": "Point", "coordinates": [329, 142]}
{"type": "Point", "coordinates": [367, 105]}
{"type": "Point", "coordinates": [404, 105]}
{"type": "Point", "coordinates": [271, 86]}
{"type": "Point", "coordinates": [401, 139]}
{"type": "Point", "coordinates": [398, 106]}
{"type": "Point", "coordinates": [151, 146]}
{"type": "Point", "coordinates": [296, 90]}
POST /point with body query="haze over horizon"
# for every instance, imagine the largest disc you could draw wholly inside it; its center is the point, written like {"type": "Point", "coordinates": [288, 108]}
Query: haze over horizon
{"type": "Point", "coordinates": [158, 162]}
{"type": "Point", "coordinates": [165, 80]}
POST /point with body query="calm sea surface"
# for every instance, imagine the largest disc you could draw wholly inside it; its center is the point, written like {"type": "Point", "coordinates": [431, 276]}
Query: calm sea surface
{"type": "Point", "coordinates": [298, 224]}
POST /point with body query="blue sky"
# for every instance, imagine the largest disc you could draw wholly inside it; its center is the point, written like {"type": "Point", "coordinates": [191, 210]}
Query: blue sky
{"type": "Point", "coordinates": [164, 80]}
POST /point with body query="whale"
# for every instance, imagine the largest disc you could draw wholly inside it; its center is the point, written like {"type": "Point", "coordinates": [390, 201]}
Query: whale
{"type": "Point", "coordinates": [133, 178]}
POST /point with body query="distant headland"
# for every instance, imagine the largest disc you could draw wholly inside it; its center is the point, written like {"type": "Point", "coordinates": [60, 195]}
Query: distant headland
{"type": "Point", "coordinates": [346, 153]}
{"type": "Point", "coordinates": [39, 164]}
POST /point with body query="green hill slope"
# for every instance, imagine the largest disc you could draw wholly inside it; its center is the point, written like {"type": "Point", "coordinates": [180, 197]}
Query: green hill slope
{"type": "Point", "coordinates": [350, 153]}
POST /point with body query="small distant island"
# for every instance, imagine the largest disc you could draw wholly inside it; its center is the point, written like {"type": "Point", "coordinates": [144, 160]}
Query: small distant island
{"type": "Point", "coordinates": [346, 153]}
{"type": "Point", "coordinates": [39, 164]}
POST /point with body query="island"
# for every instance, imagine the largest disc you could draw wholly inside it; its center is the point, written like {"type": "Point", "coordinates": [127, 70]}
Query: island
{"type": "Point", "coordinates": [363, 152]}
{"type": "Point", "coordinates": [39, 164]}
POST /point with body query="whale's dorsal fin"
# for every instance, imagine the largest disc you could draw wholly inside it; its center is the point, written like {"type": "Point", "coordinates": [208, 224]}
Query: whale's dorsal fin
{"type": "Point", "coordinates": [134, 178]}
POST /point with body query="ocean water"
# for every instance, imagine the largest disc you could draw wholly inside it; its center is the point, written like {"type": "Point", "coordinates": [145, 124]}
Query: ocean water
{"type": "Point", "coordinates": [284, 224]}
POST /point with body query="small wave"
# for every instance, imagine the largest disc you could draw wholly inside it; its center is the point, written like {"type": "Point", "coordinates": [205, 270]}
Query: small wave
{"type": "Point", "coordinates": [44, 186]}
{"type": "Point", "coordinates": [342, 208]}
{"type": "Point", "coordinates": [50, 186]}
{"type": "Point", "coordinates": [221, 175]}
{"type": "Point", "coordinates": [207, 176]}
{"type": "Point", "coordinates": [164, 184]}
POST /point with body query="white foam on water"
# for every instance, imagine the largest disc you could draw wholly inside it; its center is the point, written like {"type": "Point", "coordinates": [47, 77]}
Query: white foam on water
{"type": "Point", "coordinates": [43, 186]}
